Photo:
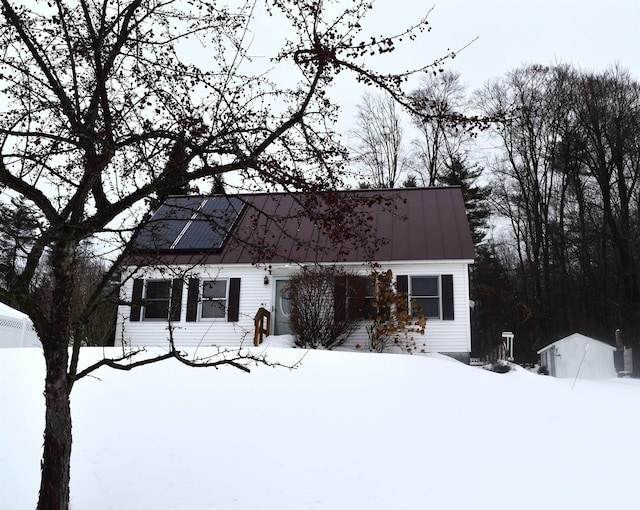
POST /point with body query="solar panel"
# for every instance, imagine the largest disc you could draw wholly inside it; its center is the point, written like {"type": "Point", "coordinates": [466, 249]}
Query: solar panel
{"type": "Point", "coordinates": [208, 230]}
{"type": "Point", "coordinates": [167, 223]}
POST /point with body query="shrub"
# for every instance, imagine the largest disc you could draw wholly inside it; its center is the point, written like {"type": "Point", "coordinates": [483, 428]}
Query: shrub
{"type": "Point", "coordinates": [392, 324]}
{"type": "Point", "coordinates": [326, 304]}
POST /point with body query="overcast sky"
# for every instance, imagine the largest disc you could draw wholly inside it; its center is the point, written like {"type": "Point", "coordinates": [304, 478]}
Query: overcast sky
{"type": "Point", "coordinates": [591, 34]}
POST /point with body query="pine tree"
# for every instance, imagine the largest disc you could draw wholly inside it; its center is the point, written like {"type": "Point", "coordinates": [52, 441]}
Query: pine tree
{"type": "Point", "coordinates": [483, 289]}
{"type": "Point", "coordinates": [411, 181]}
{"type": "Point", "coordinates": [18, 227]}
{"type": "Point", "coordinates": [459, 173]}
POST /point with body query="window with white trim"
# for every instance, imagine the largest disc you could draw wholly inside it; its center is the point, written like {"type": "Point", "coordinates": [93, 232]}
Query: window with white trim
{"type": "Point", "coordinates": [213, 300]}
{"type": "Point", "coordinates": [157, 299]}
{"type": "Point", "coordinates": [425, 296]}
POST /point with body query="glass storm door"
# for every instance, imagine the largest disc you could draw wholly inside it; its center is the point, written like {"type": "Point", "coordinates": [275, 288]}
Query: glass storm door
{"type": "Point", "coordinates": [282, 308]}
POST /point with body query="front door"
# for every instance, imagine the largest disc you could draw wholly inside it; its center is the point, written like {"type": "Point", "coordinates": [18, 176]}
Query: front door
{"type": "Point", "coordinates": [282, 308]}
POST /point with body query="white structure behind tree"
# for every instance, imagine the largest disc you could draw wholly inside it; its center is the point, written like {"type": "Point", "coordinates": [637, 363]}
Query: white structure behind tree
{"type": "Point", "coordinates": [579, 356]}
{"type": "Point", "coordinates": [16, 330]}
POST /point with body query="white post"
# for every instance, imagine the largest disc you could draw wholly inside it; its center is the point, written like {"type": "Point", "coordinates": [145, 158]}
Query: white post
{"type": "Point", "coordinates": [508, 343]}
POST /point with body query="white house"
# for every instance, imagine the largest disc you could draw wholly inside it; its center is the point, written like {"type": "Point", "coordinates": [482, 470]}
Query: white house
{"type": "Point", "coordinates": [203, 266]}
{"type": "Point", "coordinates": [579, 355]}
{"type": "Point", "coordinates": [16, 329]}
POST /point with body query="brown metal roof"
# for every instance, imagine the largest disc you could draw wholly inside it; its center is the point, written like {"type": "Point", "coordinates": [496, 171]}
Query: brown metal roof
{"type": "Point", "coordinates": [406, 224]}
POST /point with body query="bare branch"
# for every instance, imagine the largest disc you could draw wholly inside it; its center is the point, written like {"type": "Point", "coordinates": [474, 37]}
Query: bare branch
{"type": "Point", "coordinates": [236, 359]}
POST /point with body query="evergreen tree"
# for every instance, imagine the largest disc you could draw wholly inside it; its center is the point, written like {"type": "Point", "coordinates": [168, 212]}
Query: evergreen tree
{"type": "Point", "coordinates": [459, 173]}
{"type": "Point", "coordinates": [18, 227]}
{"type": "Point", "coordinates": [217, 186]}
{"type": "Point", "coordinates": [411, 181]}
{"type": "Point", "coordinates": [486, 319]}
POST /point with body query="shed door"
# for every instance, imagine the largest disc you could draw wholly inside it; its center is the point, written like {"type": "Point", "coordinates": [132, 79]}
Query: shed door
{"type": "Point", "coordinates": [282, 308]}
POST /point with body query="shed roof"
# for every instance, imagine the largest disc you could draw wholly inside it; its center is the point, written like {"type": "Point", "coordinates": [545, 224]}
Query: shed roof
{"type": "Point", "coordinates": [574, 337]}
{"type": "Point", "coordinates": [407, 224]}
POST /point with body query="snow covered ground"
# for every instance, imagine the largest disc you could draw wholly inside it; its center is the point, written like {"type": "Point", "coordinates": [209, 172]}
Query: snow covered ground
{"type": "Point", "coordinates": [343, 431]}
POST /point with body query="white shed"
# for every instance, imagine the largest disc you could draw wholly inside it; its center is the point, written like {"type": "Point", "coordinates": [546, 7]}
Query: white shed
{"type": "Point", "coordinates": [16, 330]}
{"type": "Point", "coordinates": [579, 355]}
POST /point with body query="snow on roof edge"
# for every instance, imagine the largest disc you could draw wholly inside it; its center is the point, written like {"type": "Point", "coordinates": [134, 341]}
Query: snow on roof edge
{"type": "Point", "coordinates": [576, 335]}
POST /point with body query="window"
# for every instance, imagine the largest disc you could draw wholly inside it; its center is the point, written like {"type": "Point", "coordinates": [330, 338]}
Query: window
{"type": "Point", "coordinates": [368, 310]}
{"type": "Point", "coordinates": [425, 296]}
{"type": "Point", "coordinates": [157, 299]}
{"type": "Point", "coordinates": [214, 299]}
{"type": "Point", "coordinates": [163, 299]}
{"type": "Point", "coordinates": [284, 301]}
{"type": "Point", "coordinates": [358, 291]}
{"type": "Point", "coordinates": [431, 296]}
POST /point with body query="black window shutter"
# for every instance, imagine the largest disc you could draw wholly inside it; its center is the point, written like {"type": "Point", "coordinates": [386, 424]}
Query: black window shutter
{"type": "Point", "coordinates": [447, 297]}
{"type": "Point", "coordinates": [234, 300]}
{"type": "Point", "coordinates": [402, 286]}
{"type": "Point", "coordinates": [193, 293]}
{"type": "Point", "coordinates": [136, 299]}
{"type": "Point", "coordinates": [176, 299]}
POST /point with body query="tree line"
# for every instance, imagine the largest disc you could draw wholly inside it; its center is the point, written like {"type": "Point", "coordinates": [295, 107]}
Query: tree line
{"type": "Point", "coordinates": [560, 190]}
{"type": "Point", "coordinates": [566, 181]}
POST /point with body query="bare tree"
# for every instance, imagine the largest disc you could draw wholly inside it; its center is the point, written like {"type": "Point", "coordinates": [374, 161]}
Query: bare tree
{"type": "Point", "coordinates": [607, 109]}
{"type": "Point", "coordinates": [379, 147]}
{"type": "Point", "coordinates": [439, 102]}
{"type": "Point", "coordinates": [102, 111]}
{"type": "Point", "coordinates": [535, 97]}
{"type": "Point", "coordinates": [326, 305]}
{"type": "Point", "coordinates": [566, 179]}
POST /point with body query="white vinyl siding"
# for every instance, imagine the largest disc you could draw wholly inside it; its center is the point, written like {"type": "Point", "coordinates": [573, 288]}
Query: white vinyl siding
{"type": "Point", "coordinates": [253, 294]}
{"type": "Point", "coordinates": [449, 336]}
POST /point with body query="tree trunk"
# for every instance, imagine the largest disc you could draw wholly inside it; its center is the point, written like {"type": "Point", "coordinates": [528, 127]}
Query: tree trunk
{"type": "Point", "coordinates": [55, 336]}
{"type": "Point", "coordinates": [56, 459]}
